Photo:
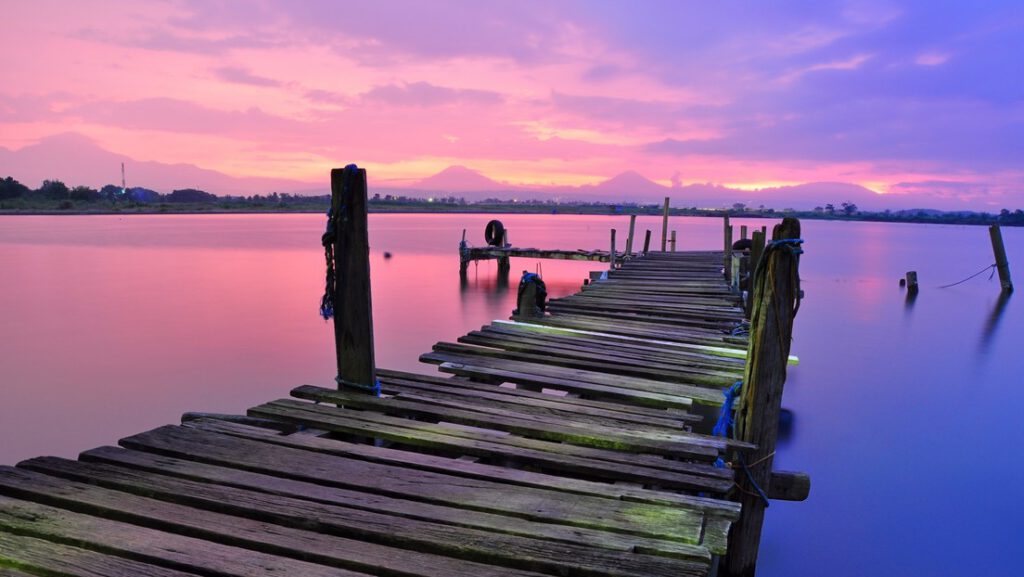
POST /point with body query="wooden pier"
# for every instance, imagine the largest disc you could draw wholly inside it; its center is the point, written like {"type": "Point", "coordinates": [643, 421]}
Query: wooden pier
{"type": "Point", "coordinates": [577, 443]}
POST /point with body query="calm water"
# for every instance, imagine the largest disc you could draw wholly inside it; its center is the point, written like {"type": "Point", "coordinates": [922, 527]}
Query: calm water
{"type": "Point", "coordinates": [906, 415]}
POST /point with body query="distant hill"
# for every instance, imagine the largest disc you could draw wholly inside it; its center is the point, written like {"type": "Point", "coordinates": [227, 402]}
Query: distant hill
{"type": "Point", "coordinates": [78, 160]}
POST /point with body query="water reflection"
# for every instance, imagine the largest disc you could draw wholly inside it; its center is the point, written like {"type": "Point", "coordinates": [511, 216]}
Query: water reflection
{"type": "Point", "coordinates": [908, 302]}
{"type": "Point", "coordinates": [992, 323]}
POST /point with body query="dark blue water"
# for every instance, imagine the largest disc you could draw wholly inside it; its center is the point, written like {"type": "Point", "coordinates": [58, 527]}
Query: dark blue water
{"type": "Point", "coordinates": [906, 415]}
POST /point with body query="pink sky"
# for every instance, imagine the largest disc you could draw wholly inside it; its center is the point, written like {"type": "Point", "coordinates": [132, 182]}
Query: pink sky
{"type": "Point", "coordinates": [901, 98]}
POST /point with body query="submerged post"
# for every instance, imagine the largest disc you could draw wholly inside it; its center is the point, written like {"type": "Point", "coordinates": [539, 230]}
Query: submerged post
{"type": "Point", "coordinates": [353, 317]}
{"type": "Point", "coordinates": [776, 293]}
{"type": "Point", "coordinates": [647, 242]}
{"type": "Point", "coordinates": [629, 237]}
{"type": "Point", "coordinates": [912, 281]}
{"type": "Point", "coordinates": [664, 225]}
{"type": "Point", "coordinates": [1002, 265]}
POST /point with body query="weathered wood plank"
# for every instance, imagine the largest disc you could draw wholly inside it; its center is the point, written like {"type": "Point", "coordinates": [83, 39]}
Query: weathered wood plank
{"type": "Point", "coordinates": [480, 495]}
{"type": "Point", "coordinates": [150, 545]}
{"type": "Point", "coordinates": [651, 440]}
{"type": "Point", "coordinates": [476, 470]}
{"type": "Point", "coordinates": [43, 557]}
{"type": "Point", "coordinates": [554, 458]}
{"type": "Point", "coordinates": [139, 462]}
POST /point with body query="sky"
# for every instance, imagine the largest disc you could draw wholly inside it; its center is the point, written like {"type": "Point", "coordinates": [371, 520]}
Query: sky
{"type": "Point", "coordinates": [912, 99]}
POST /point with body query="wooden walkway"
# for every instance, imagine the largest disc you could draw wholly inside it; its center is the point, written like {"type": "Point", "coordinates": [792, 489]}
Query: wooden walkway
{"type": "Point", "coordinates": [576, 444]}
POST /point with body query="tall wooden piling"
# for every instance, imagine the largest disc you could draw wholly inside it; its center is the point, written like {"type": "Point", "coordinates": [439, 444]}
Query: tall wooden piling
{"type": "Point", "coordinates": [1002, 264]}
{"type": "Point", "coordinates": [664, 225]}
{"type": "Point", "coordinates": [611, 253]}
{"type": "Point", "coordinates": [353, 318]}
{"type": "Point", "coordinates": [756, 249]}
{"type": "Point", "coordinates": [743, 232]}
{"type": "Point", "coordinates": [629, 237]}
{"type": "Point", "coordinates": [775, 293]}
{"type": "Point", "coordinates": [727, 262]}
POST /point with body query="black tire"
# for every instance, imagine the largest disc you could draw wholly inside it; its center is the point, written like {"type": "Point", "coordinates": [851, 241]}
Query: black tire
{"type": "Point", "coordinates": [494, 234]}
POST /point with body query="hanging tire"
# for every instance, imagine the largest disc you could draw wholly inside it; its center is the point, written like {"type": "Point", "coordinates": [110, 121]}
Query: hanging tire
{"type": "Point", "coordinates": [494, 234]}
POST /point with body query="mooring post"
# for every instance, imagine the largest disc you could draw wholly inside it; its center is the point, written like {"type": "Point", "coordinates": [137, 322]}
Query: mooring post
{"type": "Point", "coordinates": [775, 296]}
{"type": "Point", "coordinates": [756, 249]}
{"type": "Point", "coordinates": [629, 237]}
{"type": "Point", "coordinates": [664, 225]}
{"type": "Point", "coordinates": [912, 281]}
{"type": "Point", "coordinates": [727, 262]}
{"type": "Point", "coordinates": [672, 241]}
{"type": "Point", "coordinates": [1002, 265]}
{"type": "Point", "coordinates": [611, 253]}
{"type": "Point", "coordinates": [743, 232]}
{"type": "Point", "coordinates": [463, 254]}
{"type": "Point", "coordinates": [503, 261]}
{"type": "Point", "coordinates": [647, 242]}
{"type": "Point", "coordinates": [353, 315]}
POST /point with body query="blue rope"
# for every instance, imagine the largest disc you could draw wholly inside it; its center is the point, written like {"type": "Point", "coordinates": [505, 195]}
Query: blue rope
{"type": "Point", "coordinates": [753, 483]}
{"type": "Point", "coordinates": [725, 420]}
{"type": "Point", "coordinates": [792, 243]}
{"type": "Point", "coordinates": [373, 389]}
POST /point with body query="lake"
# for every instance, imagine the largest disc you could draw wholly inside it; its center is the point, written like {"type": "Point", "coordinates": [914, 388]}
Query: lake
{"type": "Point", "coordinates": [907, 414]}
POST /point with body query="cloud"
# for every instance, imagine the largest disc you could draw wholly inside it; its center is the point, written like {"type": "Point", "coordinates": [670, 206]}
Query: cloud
{"type": "Point", "coordinates": [240, 75]}
{"type": "Point", "coordinates": [425, 94]}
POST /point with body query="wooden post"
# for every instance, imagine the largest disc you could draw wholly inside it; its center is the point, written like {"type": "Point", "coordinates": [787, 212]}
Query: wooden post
{"type": "Point", "coordinates": [1002, 265]}
{"type": "Point", "coordinates": [353, 316]}
{"type": "Point", "coordinates": [672, 241]}
{"type": "Point", "coordinates": [912, 281]}
{"type": "Point", "coordinates": [775, 293]}
{"type": "Point", "coordinates": [727, 263]}
{"type": "Point", "coordinates": [756, 249]}
{"type": "Point", "coordinates": [647, 241]}
{"type": "Point", "coordinates": [664, 225]}
{"type": "Point", "coordinates": [503, 261]}
{"type": "Point", "coordinates": [463, 254]}
{"type": "Point", "coordinates": [629, 237]}
{"type": "Point", "coordinates": [743, 232]}
{"type": "Point", "coordinates": [611, 253]}
{"type": "Point", "coordinates": [526, 305]}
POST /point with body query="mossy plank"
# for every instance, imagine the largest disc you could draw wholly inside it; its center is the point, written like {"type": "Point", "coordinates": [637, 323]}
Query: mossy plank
{"type": "Point", "coordinates": [42, 557]}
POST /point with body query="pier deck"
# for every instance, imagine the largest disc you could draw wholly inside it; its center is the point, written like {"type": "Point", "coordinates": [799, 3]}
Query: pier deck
{"type": "Point", "coordinates": [575, 444]}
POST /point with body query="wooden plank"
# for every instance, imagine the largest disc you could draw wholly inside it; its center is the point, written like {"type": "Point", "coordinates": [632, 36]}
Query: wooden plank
{"type": "Point", "coordinates": [444, 489]}
{"type": "Point", "coordinates": [43, 557]}
{"type": "Point", "coordinates": [555, 458]}
{"type": "Point", "coordinates": [470, 392]}
{"type": "Point", "coordinates": [657, 441]}
{"type": "Point", "coordinates": [475, 470]}
{"type": "Point", "coordinates": [583, 381]}
{"type": "Point", "coordinates": [128, 464]}
{"type": "Point", "coordinates": [149, 545]}
{"type": "Point", "coordinates": [594, 362]}
{"type": "Point", "coordinates": [617, 411]}
{"type": "Point", "coordinates": [325, 534]}
{"type": "Point", "coordinates": [284, 527]}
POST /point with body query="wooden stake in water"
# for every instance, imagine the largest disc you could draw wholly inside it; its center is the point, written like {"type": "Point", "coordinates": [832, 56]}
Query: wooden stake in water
{"type": "Point", "coordinates": [1002, 265]}
{"type": "Point", "coordinates": [727, 263]}
{"type": "Point", "coordinates": [912, 281]}
{"type": "Point", "coordinates": [629, 237]}
{"type": "Point", "coordinates": [353, 317]}
{"type": "Point", "coordinates": [664, 225]}
{"type": "Point", "coordinates": [647, 242]}
{"type": "Point", "coordinates": [672, 241]}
